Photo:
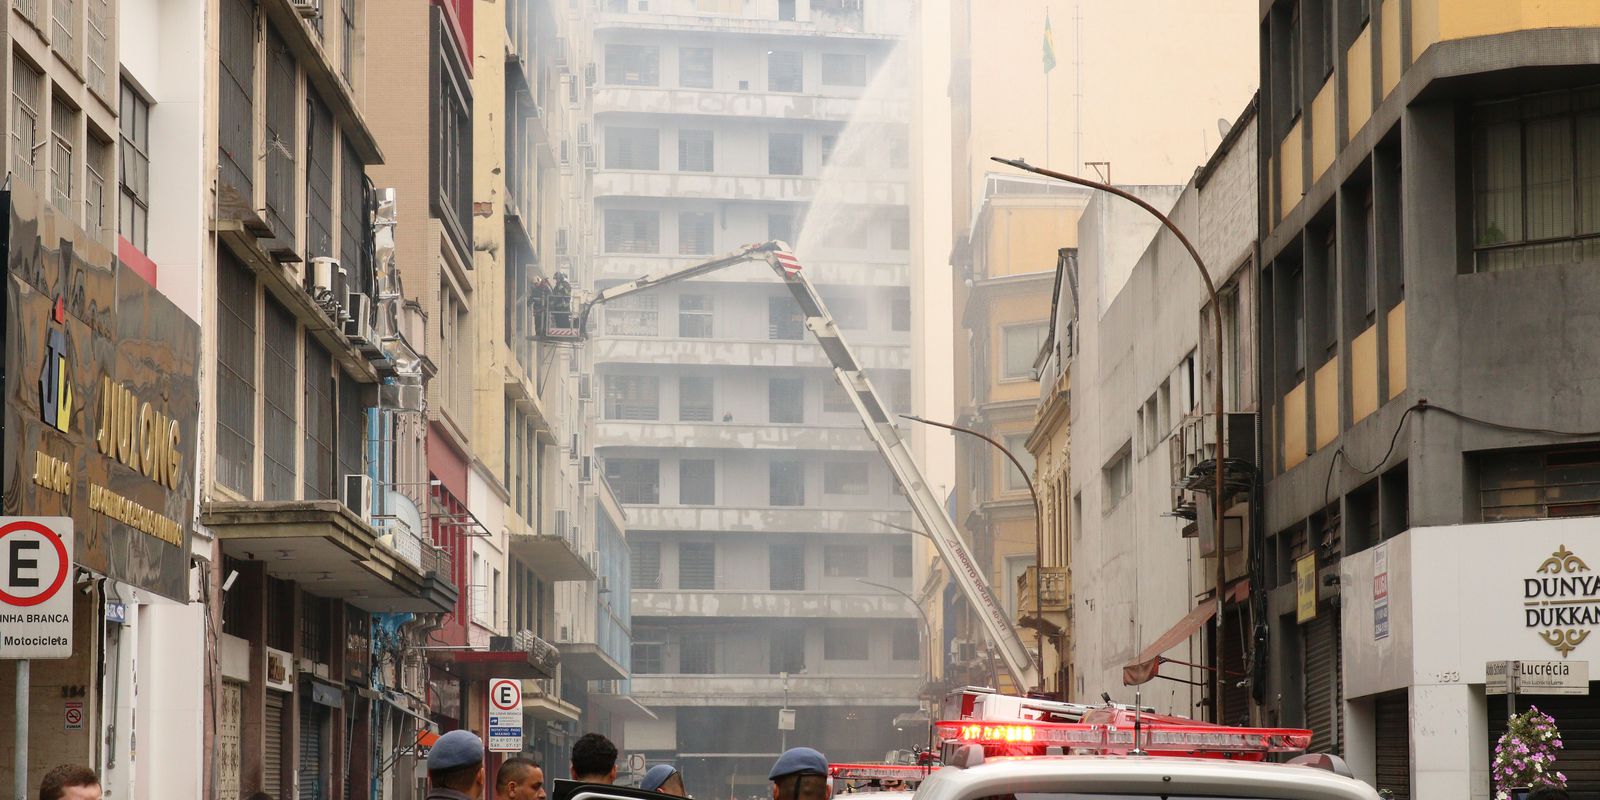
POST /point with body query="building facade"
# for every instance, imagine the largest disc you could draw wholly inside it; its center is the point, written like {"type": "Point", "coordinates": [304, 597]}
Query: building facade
{"type": "Point", "coordinates": [1421, 172]}
{"type": "Point", "coordinates": [755, 504]}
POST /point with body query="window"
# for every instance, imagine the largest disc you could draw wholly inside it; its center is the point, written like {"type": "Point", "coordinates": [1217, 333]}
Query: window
{"type": "Point", "coordinates": [1295, 296]}
{"type": "Point", "coordinates": [279, 136]}
{"type": "Point", "coordinates": [905, 643]}
{"type": "Point", "coordinates": [785, 71]}
{"type": "Point", "coordinates": [1296, 62]}
{"type": "Point", "coordinates": [697, 653]}
{"type": "Point", "coordinates": [788, 651]}
{"type": "Point", "coordinates": [319, 179]}
{"type": "Point", "coordinates": [1021, 345]}
{"type": "Point", "coordinates": [27, 87]}
{"type": "Point", "coordinates": [785, 154]}
{"type": "Point", "coordinates": [64, 157]}
{"type": "Point", "coordinates": [786, 483]}
{"type": "Point", "coordinates": [644, 564]}
{"type": "Point", "coordinates": [843, 69]}
{"type": "Point", "coordinates": [695, 233]}
{"type": "Point", "coordinates": [780, 227]}
{"type": "Point", "coordinates": [632, 397]}
{"type": "Point", "coordinates": [347, 41]}
{"type": "Point", "coordinates": [280, 384]}
{"type": "Point", "coordinates": [96, 196]}
{"type": "Point", "coordinates": [784, 320]}
{"type": "Point", "coordinates": [899, 233]}
{"type": "Point", "coordinates": [451, 147]}
{"type": "Point", "coordinates": [695, 317]}
{"type": "Point", "coordinates": [647, 658]}
{"type": "Point", "coordinates": [353, 221]}
{"type": "Point", "coordinates": [236, 88]}
{"type": "Point", "coordinates": [1017, 443]}
{"type": "Point", "coordinates": [635, 315]}
{"type": "Point", "coordinates": [633, 148]}
{"type": "Point", "coordinates": [1527, 154]}
{"type": "Point", "coordinates": [694, 398]}
{"type": "Point", "coordinates": [786, 400]}
{"type": "Point", "coordinates": [1539, 484]}
{"type": "Point", "coordinates": [632, 231]}
{"type": "Point", "coordinates": [1117, 480]}
{"type": "Point", "coordinates": [351, 455]}
{"type": "Point", "coordinates": [829, 142]}
{"type": "Point", "coordinates": [848, 310]}
{"type": "Point", "coordinates": [236, 374]}
{"type": "Point", "coordinates": [633, 65]}
{"type": "Point", "coordinates": [786, 10]}
{"type": "Point", "coordinates": [97, 37]}
{"type": "Point", "coordinates": [697, 482]}
{"type": "Point", "coordinates": [846, 561]}
{"type": "Point", "coordinates": [900, 312]}
{"type": "Point", "coordinates": [697, 565]}
{"type": "Point", "coordinates": [786, 567]}
{"type": "Point", "coordinates": [845, 644]}
{"type": "Point", "coordinates": [696, 151]}
{"type": "Point", "coordinates": [844, 477]}
{"type": "Point", "coordinates": [133, 222]}
{"type": "Point", "coordinates": [319, 419]}
{"type": "Point", "coordinates": [694, 67]}
{"type": "Point", "coordinates": [902, 561]}
{"type": "Point", "coordinates": [899, 151]}
{"type": "Point", "coordinates": [834, 399]}
{"type": "Point", "coordinates": [636, 480]}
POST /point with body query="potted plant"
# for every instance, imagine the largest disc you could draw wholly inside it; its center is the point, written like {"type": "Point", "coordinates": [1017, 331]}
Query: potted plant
{"type": "Point", "coordinates": [1525, 756]}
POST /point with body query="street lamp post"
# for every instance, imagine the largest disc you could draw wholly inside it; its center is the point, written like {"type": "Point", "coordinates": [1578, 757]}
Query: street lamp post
{"type": "Point", "coordinates": [1038, 533]}
{"type": "Point", "coordinates": [1216, 318]}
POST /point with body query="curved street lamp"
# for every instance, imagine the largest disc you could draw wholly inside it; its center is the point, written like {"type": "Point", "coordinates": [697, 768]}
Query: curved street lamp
{"type": "Point", "coordinates": [1216, 318]}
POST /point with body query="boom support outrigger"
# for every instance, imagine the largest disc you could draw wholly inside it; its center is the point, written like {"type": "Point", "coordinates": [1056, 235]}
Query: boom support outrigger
{"type": "Point", "coordinates": [874, 417]}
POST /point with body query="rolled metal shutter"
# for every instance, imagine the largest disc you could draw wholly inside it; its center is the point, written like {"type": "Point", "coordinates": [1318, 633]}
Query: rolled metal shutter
{"type": "Point", "coordinates": [1323, 687]}
{"type": "Point", "coordinates": [1392, 737]}
{"type": "Point", "coordinates": [272, 768]}
{"type": "Point", "coordinates": [311, 771]}
{"type": "Point", "coordinates": [1578, 719]}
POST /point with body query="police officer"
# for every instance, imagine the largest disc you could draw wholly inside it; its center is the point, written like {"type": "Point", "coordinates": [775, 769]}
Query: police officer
{"type": "Point", "coordinates": [801, 773]}
{"type": "Point", "coordinates": [455, 767]}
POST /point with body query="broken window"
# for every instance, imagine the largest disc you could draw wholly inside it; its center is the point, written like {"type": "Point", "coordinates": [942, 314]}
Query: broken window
{"type": "Point", "coordinates": [786, 400]}
{"type": "Point", "coordinates": [697, 479]}
{"type": "Point", "coordinates": [786, 484]}
{"type": "Point", "coordinates": [785, 154]}
{"type": "Point", "coordinates": [845, 644]}
{"type": "Point", "coordinates": [697, 565]}
{"type": "Point", "coordinates": [697, 653]}
{"type": "Point", "coordinates": [784, 320]}
{"type": "Point", "coordinates": [694, 398]}
{"type": "Point", "coordinates": [632, 316]}
{"type": "Point", "coordinates": [844, 477]}
{"type": "Point", "coordinates": [846, 561]}
{"type": "Point", "coordinates": [635, 480]}
{"type": "Point", "coordinates": [905, 641]}
{"type": "Point", "coordinates": [633, 65]}
{"type": "Point", "coordinates": [785, 71]}
{"type": "Point", "coordinates": [632, 397]}
{"type": "Point", "coordinates": [786, 567]}
{"type": "Point", "coordinates": [788, 652]}
{"type": "Point", "coordinates": [694, 67]}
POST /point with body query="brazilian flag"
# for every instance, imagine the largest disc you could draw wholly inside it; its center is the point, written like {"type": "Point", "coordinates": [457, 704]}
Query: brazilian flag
{"type": "Point", "coordinates": [1049, 45]}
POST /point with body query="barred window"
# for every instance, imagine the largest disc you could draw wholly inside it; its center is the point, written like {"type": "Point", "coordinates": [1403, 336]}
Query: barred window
{"type": "Point", "coordinates": [280, 381]}
{"type": "Point", "coordinates": [696, 151]}
{"type": "Point", "coordinates": [633, 148]}
{"type": "Point", "coordinates": [319, 178]}
{"type": "Point", "coordinates": [786, 483]}
{"type": "Point", "coordinates": [633, 65]}
{"type": "Point", "coordinates": [632, 231]}
{"type": "Point", "coordinates": [846, 561]}
{"type": "Point", "coordinates": [96, 194]}
{"type": "Point", "coordinates": [784, 320]}
{"type": "Point", "coordinates": [845, 644]}
{"type": "Point", "coordinates": [633, 316]}
{"type": "Point", "coordinates": [635, 480]}
{"type": "Point", "coordinates": [632, 397]}
{"type": "Point", "coordinates": [695, 318]}
{"type": "Point", "coordinates": [786, 567]}
{"type": "Point", "coordinates": [353, 222]}
{"type": "Point", "coordinates": [645, 564]}
{"type": "Point", "coordinates": [697, 565]}
{"type": "Point", "coordinates": [236, 114]}
{"type": "Point", "coordinates": [281, 139]}
{"type": "Point", "coordinates": [695, 233]}
{"type": "Point", "coordinates": [844, 477]}
{"type": "Point", "coordinates": [236, 374]}
{"type": "Point", "coordinates": [352, 430]}
{"type": "Point", "coordinates": [785, 71]}
{"type": "Point", "coordinates": [64, 154]}
{"type": "Point", "coordinates": [27, 89]}
{"type": "Point", "coordinates": [319, 423]}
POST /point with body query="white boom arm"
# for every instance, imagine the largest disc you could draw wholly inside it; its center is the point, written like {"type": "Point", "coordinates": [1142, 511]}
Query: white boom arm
{"type": "Point", "coordinates": [880, 427]}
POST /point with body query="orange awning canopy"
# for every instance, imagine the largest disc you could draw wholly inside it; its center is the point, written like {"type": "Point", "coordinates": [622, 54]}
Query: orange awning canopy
{"type": "Point", "coordinates": [1147, 666]}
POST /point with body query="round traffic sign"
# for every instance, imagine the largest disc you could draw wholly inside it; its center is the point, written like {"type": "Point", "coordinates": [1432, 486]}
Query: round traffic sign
{"type": "Point", "coordinates": [505, 694]}
{"type": "Point", "coordinates": [34, 573]}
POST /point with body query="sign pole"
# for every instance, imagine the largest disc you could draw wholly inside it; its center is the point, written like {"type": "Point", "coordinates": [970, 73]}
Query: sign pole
{"type": "Point", "coordinates": [1512, 668]}
{"type": "Point", "coordinates": [19, 770]}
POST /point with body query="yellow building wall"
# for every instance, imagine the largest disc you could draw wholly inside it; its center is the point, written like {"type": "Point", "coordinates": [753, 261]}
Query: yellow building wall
{"type": "Point", "coordinates": [1364, 374]}
{"type": "Point", "coordinates": [1023, 239]}
{"type": "Point", "coordinates": [1294, 427]}
{"type": "Point", "coordinates": [1327, 407]}
{"type": "Point", "coordinates": [1389, 15]}
{"type": "Point", "coordinates": [1291, 174]}
{"type": "Point", "coordinates": [1358, 82]}
{"type": "Point", "coordinates": [1444, 20]}
{"type": "Point", "coordinates": [1005, 311]}
{"type": "Point", "coordinates": [1324, 137]}
{"type": "Point", "coordinates": [1397, 350]}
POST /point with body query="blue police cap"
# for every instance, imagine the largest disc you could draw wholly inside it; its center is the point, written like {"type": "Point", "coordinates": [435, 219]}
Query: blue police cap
{"type": "Point", "coordinates": [458, 748]}
{"type": "Point", "coordinates": [656, 776]}
{"type": "Point", "coordinates": [799, 761]}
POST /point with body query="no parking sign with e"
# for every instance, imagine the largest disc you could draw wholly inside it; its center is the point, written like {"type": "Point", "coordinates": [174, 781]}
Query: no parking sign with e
{"type": "Point", "coordinates": [35, 595]}
{"type": "Point", "coordinates": [505, 715]}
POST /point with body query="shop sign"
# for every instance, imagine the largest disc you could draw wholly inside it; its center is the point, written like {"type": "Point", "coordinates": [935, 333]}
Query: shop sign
{"type": "Point", "coordinates": [280, 670]}
{"type": "Point", "coordinates": [35, 587]}
{"type": "Point", "coordinates": [1380, 592]}
{"type": "Point", "coordinates": [505, 715]}
{"type": "Point", "coordinates": [1562, 601]}
{"type": "Point", "coordinates": [1305, 588]}
{"type": "Point", "coordinates": [101, 383]}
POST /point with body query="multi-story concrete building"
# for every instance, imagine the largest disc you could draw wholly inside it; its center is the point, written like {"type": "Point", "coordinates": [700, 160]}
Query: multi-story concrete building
{"type": "Point", "coordinates": [756, 507]}
{"type": "Point", "coordinates": [1005, 265]}
{"type": "Point", "coordinates": [1424, 174]}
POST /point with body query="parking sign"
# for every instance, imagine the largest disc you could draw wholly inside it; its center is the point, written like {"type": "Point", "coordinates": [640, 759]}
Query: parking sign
{"type": "Point", "coordinates": [505, 715]}
{"type": "Point", "coordinates": [35, 593]}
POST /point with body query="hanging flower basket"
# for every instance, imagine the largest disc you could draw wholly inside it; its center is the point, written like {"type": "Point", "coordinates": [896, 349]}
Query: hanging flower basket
{"type": "Point", "coordinates": [1525, 756]}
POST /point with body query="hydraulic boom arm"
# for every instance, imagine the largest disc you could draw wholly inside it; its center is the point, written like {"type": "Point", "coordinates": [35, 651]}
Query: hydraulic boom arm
{"type": "Point", "coordinates": [880, 427]}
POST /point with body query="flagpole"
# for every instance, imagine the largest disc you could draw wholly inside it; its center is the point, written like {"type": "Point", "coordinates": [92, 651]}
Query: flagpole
{"type": "Point", "coordinates": [1047, 118]}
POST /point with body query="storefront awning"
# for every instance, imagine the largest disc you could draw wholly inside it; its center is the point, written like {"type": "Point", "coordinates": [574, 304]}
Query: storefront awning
{"type": "Point", "coordinates": [1148, 664]}
{"type": "Point", "coordinates": [474, 665]}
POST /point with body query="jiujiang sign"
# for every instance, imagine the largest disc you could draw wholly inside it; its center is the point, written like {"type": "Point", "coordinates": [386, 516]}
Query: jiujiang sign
{"type": "Point", "coordinates": [1562, 601]}
{"type": "Point", "coordinates": [101, 399]}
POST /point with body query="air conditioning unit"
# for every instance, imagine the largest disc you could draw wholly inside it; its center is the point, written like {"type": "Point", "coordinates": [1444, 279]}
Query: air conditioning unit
{"type": "Point", "coordinates": [401, 396]}
{"type": "Point", "coordinates": [358, 494]}
{"type": "Point", "coordinates": [328, 286]}
{"type": "Point", "coordinates": [586, 470]}
{"type": "Point", "coordinates": [603, 584]}
{"type": "Point", "coordinates": [358, 318]}
{"type": "Point", "coordinates": [585, 387]}
{"type": "Point", "coordinates": [591, 75]}
{"type": "Point", "coordinates": [561, 241]}
{"type": "Point", "coordinates": [310, 9]}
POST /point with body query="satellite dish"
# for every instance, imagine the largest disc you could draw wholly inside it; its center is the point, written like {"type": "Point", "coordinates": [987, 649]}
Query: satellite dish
{"type": "Point", "coordinates": [1223, 126]}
